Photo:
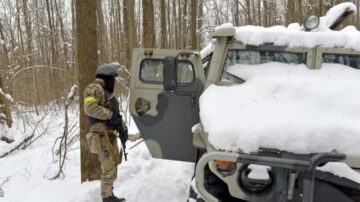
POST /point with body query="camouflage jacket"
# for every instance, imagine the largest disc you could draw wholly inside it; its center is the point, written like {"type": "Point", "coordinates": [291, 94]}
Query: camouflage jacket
{"type": "Point", "coordinates": [95, 106]}
{"type": "Point", "coordinates": [94, 103]}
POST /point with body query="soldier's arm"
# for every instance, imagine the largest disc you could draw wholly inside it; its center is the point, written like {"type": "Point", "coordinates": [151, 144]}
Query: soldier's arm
{"type": "Point", "coordinates": [92, 96]}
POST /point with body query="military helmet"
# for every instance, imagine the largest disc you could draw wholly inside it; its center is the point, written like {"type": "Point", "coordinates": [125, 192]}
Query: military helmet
{"type": "Point", "coordinates": [106, 70]}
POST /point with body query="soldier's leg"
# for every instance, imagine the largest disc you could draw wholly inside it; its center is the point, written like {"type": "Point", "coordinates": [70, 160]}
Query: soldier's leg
{"type": "Point", "coordinates": [108, 172]}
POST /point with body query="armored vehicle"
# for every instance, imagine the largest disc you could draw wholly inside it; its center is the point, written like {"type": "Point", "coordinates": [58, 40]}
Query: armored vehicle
{"type": "Point", "coordinates": [166, 86]}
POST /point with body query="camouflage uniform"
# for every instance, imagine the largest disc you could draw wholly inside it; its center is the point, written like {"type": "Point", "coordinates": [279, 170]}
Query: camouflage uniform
{"type": "Point", "coordinates": [94, 106]}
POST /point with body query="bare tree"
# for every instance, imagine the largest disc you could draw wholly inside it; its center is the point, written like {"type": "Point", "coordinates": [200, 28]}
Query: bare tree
{"type": "Point", "coordinates": [86, 61]}
{"type": "Point", "coordinates": [102, 36]}
{"type": "Point", "coordinates": [193, 24]}
{"type": "Point", "coordinates": [148, 24]}
{"type": "Point", "coordinates": [163, 33]}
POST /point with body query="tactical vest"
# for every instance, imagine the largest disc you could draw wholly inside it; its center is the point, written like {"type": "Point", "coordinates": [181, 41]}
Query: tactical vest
{"type": "Point", "coordinates": [111, 103]}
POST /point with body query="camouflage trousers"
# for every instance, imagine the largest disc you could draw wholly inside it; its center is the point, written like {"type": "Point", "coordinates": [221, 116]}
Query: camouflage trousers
{"type": "Point", "coordinates": [98, 146]}
{"type": "Point", "coordinates": [108, 173]}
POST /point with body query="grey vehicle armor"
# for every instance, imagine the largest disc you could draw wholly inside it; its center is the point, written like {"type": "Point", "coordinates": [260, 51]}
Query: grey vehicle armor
{"type": "Point", "coordinates": [164, 103]}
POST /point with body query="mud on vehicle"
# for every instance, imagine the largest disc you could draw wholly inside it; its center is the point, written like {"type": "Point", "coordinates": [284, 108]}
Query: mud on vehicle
{"type": "Point", "coordinates": [164, 103]}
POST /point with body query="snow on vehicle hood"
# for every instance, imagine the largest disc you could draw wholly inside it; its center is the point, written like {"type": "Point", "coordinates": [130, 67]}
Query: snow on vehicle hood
{"type": "Point", "coordinates": [349, 37]}
{"type": "Point", "coordinates": [285, 106]}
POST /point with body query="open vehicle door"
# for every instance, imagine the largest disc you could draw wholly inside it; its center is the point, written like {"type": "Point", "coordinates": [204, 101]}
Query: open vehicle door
{"type": "Point", "coordinates": [165, 87]}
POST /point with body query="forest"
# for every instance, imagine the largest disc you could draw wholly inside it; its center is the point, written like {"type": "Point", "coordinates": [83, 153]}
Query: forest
{"type": "Point", "coordinates": [48, 47]}
{"type": "Point", "coordinates": [49, 52]}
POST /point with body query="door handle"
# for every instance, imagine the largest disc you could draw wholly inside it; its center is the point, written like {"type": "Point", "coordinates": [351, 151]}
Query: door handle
{"type": "Point", "coordinates": [193, 98]}
{"type": "Point", "coordinates": [142, 106]}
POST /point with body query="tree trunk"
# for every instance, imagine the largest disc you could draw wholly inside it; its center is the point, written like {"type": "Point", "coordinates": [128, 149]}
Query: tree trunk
{"type": "Point", "coordinates": [290, 12]}
{"type": "Point", "coordinates": [358, 15]}
{"type": "Point", "coordinates": [4, 104]}
{"type": "Point", "coordinates": [148, 24]}
{"type": "Point", "coordinates": [129, 31]}
{"type": "Point", "coordinates": [54, 54]}
{"type": "Point", "coordinates": [237, 13]}
{"type": "Point", "coordinates": [86, 61]}
{"type": "Point", "coordinates": [259, 13]}
{"type": "Point", "coordinates": [248, 13]}
{"type": "Point", "coordinates": [184, 23]}
{"type": "Point", "coordinates": [29, 56]}
{"type": "Point", "coordinates": [163, 31]}
{"type": "Point", "coordinates": [200, 22]}
{"type": "Point", "coordinates": [64, 48]}
{"type": "Point", "coordinates": [73, 42]}
{"type": "Point", "coordinates": [102, 36]}
{"type": "Point", "coordinates": [193, 25]}
{"type": "Point", "coordinates": [179, 26]}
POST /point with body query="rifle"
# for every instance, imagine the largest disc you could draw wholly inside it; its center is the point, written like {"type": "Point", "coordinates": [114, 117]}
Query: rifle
{"type": "Point", "coordinates": [123, 136]}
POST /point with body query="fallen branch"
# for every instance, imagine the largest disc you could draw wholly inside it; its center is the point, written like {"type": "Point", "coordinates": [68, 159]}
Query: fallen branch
{"type": "Point", "coordinates": [32, 138]}
{"type": "Point", "coordinates": [36, 126]}
{"type": "Point", "coordinates": [18, 146]}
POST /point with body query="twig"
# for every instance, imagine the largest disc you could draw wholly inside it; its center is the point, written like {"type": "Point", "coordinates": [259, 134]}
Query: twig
{"type": "Point", "coordinates": [136, 144]}
{"type": "Point", "coordinates": [44, 131]}
{"type": "Point", "coordinates": [18, 146]}
{"type": "Point", "coordinates": [1, 191]}
{"type": "Point", "coordinates": [62, 150]}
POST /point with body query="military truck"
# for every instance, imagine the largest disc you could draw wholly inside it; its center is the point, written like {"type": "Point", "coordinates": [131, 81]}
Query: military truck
{"type": "Point", "coordinates": [164, 103]}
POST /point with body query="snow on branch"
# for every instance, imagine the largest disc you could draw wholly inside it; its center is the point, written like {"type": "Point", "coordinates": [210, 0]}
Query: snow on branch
{"type": "Point", "coordinates": [6, 96]}
{"type": "Point", "coordinates": [72, 92]}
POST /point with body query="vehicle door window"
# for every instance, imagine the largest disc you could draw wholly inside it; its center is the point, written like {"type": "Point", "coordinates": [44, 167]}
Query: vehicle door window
{"type": "Point", "coordinates": [255, 57]}
{"type": "Point", "coordinates": [348, 60]}
{"type": "Point", "coordinates": [151, 71]}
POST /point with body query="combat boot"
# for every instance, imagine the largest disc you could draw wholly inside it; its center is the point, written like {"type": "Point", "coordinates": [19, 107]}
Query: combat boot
{"type": "Point", "coordinates": [113, 199]}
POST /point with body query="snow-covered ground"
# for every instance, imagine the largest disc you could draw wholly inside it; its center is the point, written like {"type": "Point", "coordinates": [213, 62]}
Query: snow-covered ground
{"type": "Point", "coordinates": [25, 174]}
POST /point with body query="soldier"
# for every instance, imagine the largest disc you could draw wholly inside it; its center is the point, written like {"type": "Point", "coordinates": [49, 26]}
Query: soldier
{"type": "Point", "coordinates": [102, 109]}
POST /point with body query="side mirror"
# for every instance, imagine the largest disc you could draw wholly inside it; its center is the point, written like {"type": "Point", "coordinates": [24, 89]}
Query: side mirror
{"type": "Point", "coordinates": [170, 73]}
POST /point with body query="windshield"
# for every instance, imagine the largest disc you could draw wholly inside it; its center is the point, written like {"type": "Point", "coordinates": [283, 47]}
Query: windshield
{"type": "Point", "coordinates": [348, 60]}
{"type": "Point", "coordinates": [255, 57]}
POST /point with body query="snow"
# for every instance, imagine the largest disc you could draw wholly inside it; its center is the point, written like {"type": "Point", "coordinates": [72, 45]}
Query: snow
{"type": "Point", "coordinates": [259, 172]}
{"type": "Point", "coordinates": [139, 179]}
{"type": "Point", "coordinates": [196, 128]}
{"type": "Point", "coordinates": [224, 26]}
{"type": "Point", "coordinates": [341, 170]}
{"type": "Point", "coordinates": [282, 36]}
{"type": "Point", "coordinates": [72, 92]}
{"type": "Point", "coordinates": [208, 49]}
{"type": "Point", "coordinates": [285, 106]}
{"type": "Point", "coordinates": [7, 96]}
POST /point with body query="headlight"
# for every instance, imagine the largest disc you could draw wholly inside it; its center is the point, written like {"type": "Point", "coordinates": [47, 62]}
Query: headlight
{"type": "Point", "coordinates": [225, 167]}
{"type": "Point", "coordinates": [311, 22]}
